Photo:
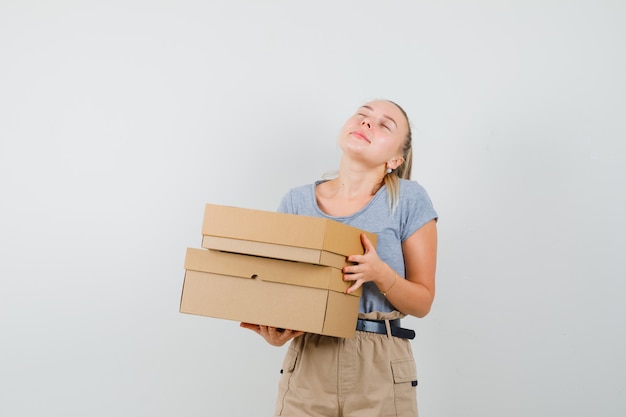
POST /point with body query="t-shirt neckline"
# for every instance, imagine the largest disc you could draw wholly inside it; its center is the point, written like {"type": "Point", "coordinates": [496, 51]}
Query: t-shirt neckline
{"type": "Point", "coordinates": [351, 216]}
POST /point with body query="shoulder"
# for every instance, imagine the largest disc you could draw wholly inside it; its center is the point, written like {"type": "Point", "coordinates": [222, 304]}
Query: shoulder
{"type": "Point", "coordinates": [412, 190]}
{"type": "Point", "coordinates": [297, 197]}
{"type": "Point", "coordinates": [301, 191]}
{"type": "Point", "coordinates": [415, 203]}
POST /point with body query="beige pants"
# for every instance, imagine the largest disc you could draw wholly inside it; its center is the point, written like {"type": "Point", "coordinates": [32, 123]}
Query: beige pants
{"type": "Point", "coordinates": [372, 375]}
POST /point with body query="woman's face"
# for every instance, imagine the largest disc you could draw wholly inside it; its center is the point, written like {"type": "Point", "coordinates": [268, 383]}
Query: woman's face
{"type": "Point", "coordinates": [375, 134]}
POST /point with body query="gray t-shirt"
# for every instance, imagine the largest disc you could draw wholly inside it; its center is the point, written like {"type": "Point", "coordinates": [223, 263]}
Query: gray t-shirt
{"type": "Point", "coordinates": [413, 211]}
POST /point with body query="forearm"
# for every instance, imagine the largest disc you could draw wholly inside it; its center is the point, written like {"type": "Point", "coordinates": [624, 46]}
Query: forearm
{"type": "Point", "coordinates": [408, 297]}
{"type": "Point", "coordinates": [413, 295]}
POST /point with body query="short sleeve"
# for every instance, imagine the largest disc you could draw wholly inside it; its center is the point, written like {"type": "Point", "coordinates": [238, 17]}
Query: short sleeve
{"type": "Point", "coordinates": [286, 205]}
{"type": "Point", "coordinates": [416, 208]}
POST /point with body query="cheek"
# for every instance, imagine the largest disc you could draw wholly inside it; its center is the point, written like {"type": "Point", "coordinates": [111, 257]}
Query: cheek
{"type": "Point", "coordinates": [390, 144]}
{"type": "Point", "coordinates": [342, 137]}
{"type": "Point", "coordinates": [345, 131]}
{"type": "Point", "coordinates": [350, 124]}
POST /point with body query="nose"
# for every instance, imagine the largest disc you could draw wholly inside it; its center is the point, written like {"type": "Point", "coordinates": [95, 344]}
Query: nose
{"type": "Point", "coordinates": [366, 122]}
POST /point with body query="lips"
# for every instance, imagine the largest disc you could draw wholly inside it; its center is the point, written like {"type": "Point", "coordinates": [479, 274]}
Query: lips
{"type": "Point", "coordinates": [360, 135]}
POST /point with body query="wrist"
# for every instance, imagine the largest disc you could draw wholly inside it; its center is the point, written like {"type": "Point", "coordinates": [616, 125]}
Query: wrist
{"type": "Point", "coordinates": [384, 290]}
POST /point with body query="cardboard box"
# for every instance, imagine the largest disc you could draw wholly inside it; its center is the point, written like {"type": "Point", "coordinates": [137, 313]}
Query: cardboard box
{"type": "Point", "coordinates": [279, 235]}
{"type": "Point", "coordinates": [273, 292]}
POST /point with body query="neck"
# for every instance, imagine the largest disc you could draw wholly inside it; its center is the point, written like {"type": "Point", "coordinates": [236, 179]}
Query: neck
{"type": "Point", "coordinates": [355, 181]}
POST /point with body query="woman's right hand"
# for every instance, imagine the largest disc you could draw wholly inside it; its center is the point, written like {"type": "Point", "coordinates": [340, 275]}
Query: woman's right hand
{"type": "Point", "coordinates": [273, 336]}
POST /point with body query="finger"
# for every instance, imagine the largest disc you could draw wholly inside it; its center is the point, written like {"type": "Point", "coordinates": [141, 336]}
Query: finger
{"type": "Point", "coordinates": [249, 326]}
{"type": "Point", "coordinates": [353, 276]}
{"type": "Point", "coordinates": [263, 331]}
{"type": "Point", "coordinates": [284, 335]}
{"type": "Point", "coordinates": [273, 333]}
{"type": "Point", "coordinates": [367, 245]}
{"type": "Point", "coordinates": [291, 334]}
{"type": "Point", "coordinates": [278, 335]}
{"type": "Point", "coordinates": [357, 284]}
{"type": "Point", "coordinates": [355, 259]}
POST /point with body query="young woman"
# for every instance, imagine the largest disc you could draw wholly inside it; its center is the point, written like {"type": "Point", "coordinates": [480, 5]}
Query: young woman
{"type": "Point", "coordinates": [373, 374]}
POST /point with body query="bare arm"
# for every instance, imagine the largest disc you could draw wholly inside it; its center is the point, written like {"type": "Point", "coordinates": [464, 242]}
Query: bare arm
{"type": "Point", "coordinates": [413, 295]}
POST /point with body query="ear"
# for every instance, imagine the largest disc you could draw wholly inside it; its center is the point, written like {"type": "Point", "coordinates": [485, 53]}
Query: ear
{"type": "Point", "coordinates": [395, 162]}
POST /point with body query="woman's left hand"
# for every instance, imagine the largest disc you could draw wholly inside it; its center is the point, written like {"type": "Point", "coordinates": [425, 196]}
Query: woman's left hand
{"type": "Point", "coordinates": [367, 267]}
{"type": "Point", "coordinates": [273, 336]}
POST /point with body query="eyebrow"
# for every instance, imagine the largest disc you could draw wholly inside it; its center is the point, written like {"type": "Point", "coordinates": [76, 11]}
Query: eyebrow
{"type": "Point", "coordinates": [384, 115]}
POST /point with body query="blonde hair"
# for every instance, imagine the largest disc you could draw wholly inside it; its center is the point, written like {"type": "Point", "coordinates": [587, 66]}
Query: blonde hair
{"type": "Point", "coordinates": [391, 180]}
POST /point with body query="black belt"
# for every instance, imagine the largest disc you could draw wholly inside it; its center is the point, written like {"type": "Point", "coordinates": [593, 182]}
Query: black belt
{"type": "Point", "coordinates": [378, 326]}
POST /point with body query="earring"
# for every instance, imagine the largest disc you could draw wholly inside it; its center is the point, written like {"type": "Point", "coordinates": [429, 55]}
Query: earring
{"type": "Point", "coordinates": [389, 170]}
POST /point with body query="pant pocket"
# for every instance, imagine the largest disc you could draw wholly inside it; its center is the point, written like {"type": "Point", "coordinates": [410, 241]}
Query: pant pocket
{"type": "Point", "coordinates": [289, 364]}
{"type": "Point", "coordinates": [405, 383]}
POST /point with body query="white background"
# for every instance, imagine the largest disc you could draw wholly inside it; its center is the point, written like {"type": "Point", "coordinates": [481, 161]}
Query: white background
{"type": "Point", "coordinates": [119, 120]}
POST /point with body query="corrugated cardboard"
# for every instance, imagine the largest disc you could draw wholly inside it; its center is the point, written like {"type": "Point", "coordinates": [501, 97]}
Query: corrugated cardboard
{"type": "Point", "coordinates": [273, 292]}
{"type": "Point", "coordinates": [280, 235]}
